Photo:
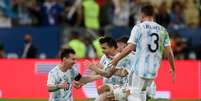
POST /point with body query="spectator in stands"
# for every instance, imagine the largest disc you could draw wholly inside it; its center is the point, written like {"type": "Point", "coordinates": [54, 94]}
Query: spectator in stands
{"type": "Point", "coordinates": [163, 17]}
{"type": "Point", "coordinates": [77, 44]}
{"type": "Point", "coordinates": [29, 51]}
{"type": "Point", "coordinates": [198, 51]}
{"type": "Point", "coordinates": [106, 13]}
{"type": "Point", "coordinates": [90, 49]}
{"type": "Point", "coordinates": [97, 45]}
{"type": "Point", "coordinates": [5, 21]}
{"type": "Point", "coordinates": [35, 13]}
{"type": "Point", "coordinates": [176, 16]}
{"type": "Point", "coordinates": [2, 52]}
{"type": "Point", "coordinates": [51, 13]}
{"type": "Point", "coordinates": [101, 2]}
{"type": "Point", "coordinates": [121, 12]}
{"type": "Point", "coordinates": [191, 13]}
{"type": "Point", "coordinates": [182, 49]}
{"type": "Point", "coordinates": [134, 9]}
{"type": "Point", "coordinates": [21, 10]}
{"type": "Point", "coordinates": [91, 11]}
{"type": "Point", "coordinates": [6, 5]}
{"type": "Point", "coordinates": [72, 12]}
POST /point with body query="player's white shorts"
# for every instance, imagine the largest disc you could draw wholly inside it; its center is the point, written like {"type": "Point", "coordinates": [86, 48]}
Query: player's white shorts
{"type": "Point", "coordinates": [119, 92]}
{"type": "Point", "coordinates": [151, 90]}
{"type": "Point", "coordinates": [137, 84]}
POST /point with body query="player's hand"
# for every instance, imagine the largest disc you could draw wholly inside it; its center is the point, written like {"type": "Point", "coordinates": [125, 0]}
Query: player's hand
{"type": "Point", "coordinates": [121, 72]}
{"type": "Point", "coordinates": [113, 62]}
{"type": "Point", "coordinates": [124, 72]}
{"type": "Point", "coordinates": [99, 65]}
{"type": "Point", "coordinates": [127, 92]}
{"type": "Point", "coordinates": [78, 85]}
{"type": "Point", "coordinates": [89, 65]}
{"type": "Point", "coordinates": [110, 97]}
{"type": "Point", "coordinates": [112, 70]}
{"type": "Point", "coordinates": [173, 75]}
{"type": "Point", "coordinates": [63, 85]}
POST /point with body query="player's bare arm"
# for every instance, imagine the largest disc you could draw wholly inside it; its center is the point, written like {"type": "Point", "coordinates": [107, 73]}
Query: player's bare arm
{"type": "Point", "coordinates": [106, 93]}
{"type": "Point", "coordinates": [129, 48]}
{"type": "Point", "coordinates": [77, 84]}
{"type": "Point", "coordinates": [82, 80]}
{"type": "Point", "coordinates": [98, 69]}
{"type": "Point", "coordinates": [55, 87]}
{"type": "Point", "coordinates": [89, 78]}
{"type": "Point", "coordinates": [108, 72]}
{"type": "Point", "coordinates": [170, 56]}
{"type": "Point", "coordinates": [122, 72]}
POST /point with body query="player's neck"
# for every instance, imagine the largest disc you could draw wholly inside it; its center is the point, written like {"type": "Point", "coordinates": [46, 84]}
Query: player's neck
{"type": "Point", "coordinates": [148, 19]}
{"type": "Point", "coordinates": [63, 67]}
{"type": "Point", "coordinates": [113, 53]}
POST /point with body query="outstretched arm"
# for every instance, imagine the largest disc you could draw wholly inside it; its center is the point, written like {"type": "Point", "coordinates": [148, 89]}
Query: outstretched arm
{"type": "Point", "coordinates": [82, 80]}
{"type": "Point", "coordinates": [98, 69]}
{"type": "Point", "coordinates": [89, 78]}
{"type": "Point", "coordinates": [108, 72]}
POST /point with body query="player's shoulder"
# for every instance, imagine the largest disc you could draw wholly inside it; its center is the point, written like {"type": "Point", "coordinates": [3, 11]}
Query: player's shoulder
{"type": "Point", "coordinates": [162, 28]}
{"type": "Point", "coordinates": [153, 23]}
{"type": "Point", "coordinates": [137, 26]}
{"type": "Point", "coordinates": [75, 68]}
{"type": "Point", "coordinates": [54, 70]}
{"type": "Point", "coordinates": [103, 56]}
{"type": "Point", "coordinates": [131, 55]}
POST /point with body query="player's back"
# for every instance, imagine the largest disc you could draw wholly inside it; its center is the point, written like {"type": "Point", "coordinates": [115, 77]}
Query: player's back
{"type": "Point", "coordinates": [150, 38]}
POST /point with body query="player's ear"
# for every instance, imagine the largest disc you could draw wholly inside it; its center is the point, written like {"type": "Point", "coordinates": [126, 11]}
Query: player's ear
{"type": "Point", "coordinates": [64, 58]}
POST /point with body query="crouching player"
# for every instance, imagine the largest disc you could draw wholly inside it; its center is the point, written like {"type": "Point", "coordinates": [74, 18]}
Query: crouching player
{"type": "Point", "coordinates": [114, 77]}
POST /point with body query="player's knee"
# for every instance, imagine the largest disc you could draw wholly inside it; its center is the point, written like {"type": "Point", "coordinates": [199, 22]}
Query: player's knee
{"type": "Point", "coordinates": [127, 93]}
{"type": "Point", "coordinates": [103, 88]}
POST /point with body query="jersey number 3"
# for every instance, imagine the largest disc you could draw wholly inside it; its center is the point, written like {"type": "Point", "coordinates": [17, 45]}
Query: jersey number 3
{"type": "Point", "coordinates": [155, 44]}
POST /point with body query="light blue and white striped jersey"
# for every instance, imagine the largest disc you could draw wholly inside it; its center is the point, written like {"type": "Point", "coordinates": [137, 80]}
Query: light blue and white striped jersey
{"type": "Point", "coordinates": [150, 39]}
{"type": "Point", "coordinates": [56, 76]}
{"type": "Point", "coordinates": [116, 80]}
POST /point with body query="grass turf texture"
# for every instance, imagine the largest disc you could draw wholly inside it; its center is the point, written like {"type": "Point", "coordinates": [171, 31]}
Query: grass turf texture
{"type": "Point", "coordinates": [82, 100]}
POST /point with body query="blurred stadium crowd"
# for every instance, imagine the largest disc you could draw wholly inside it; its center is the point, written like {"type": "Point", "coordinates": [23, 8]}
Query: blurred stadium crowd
{"type": "Point", "coordinates": [97, 17]}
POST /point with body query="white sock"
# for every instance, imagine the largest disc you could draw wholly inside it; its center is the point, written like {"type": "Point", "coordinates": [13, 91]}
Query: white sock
{"type": "Point", "coordinates": [133, 98]}
{"type": "Point", "coordinates": [143, 96]}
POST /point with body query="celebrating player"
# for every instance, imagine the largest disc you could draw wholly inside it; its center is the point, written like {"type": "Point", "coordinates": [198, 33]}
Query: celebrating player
{"type": "Point", "coordinates": [60, 78]}
{"type": "Point", "coordinates": [149, 39]}
{"type": "Point", "coordinates": [116, 81]}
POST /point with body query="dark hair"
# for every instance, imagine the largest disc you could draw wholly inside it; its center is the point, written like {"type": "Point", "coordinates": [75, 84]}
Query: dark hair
{"type": "Point", "coordinates": [123, 39]}
{"type": "Point", "coordinates": [74, 34]}
{"type": "Point", "coordinates": [66, 53]}
{"type": "Point", "coordinates": [175, 4]}
{"type": "Point", "coordinates": [148, 10]}
{"type": "Point", "coordinates": [110, 41]}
